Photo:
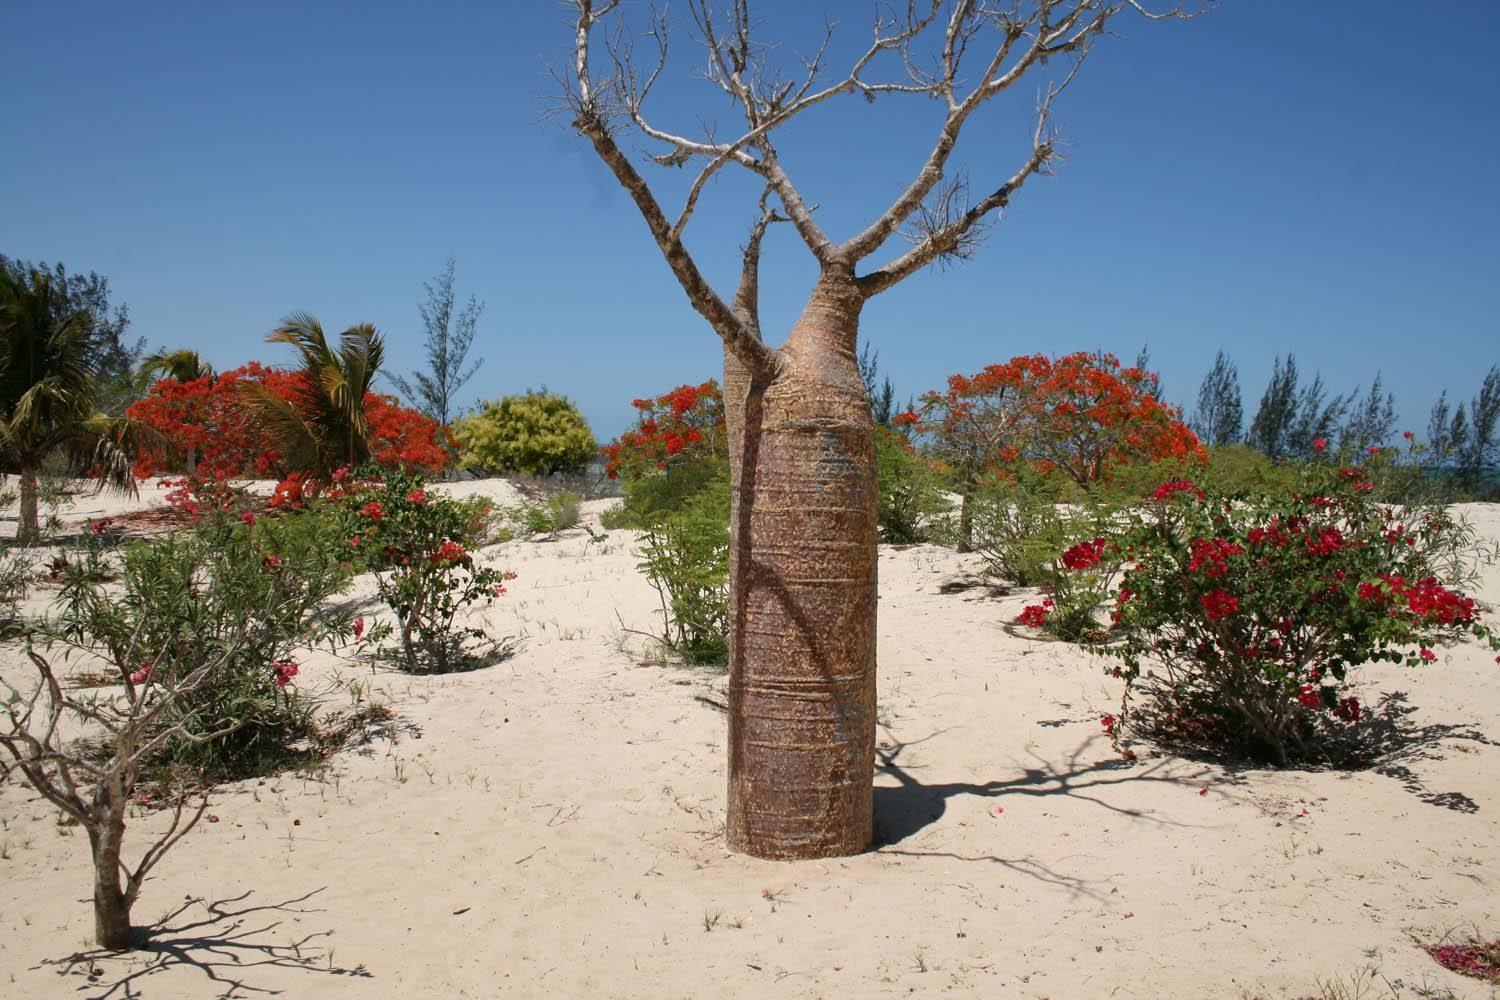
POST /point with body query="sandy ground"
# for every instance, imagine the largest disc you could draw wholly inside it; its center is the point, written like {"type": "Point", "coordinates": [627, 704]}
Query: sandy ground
{"type": "Point", "coordinates": [552, 826]}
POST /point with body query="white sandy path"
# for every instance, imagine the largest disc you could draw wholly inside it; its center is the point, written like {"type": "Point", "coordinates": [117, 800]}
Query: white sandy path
{"type": "Point", "coordinates": [553, 827]}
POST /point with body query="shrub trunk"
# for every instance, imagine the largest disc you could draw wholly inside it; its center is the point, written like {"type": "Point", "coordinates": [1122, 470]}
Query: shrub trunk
{"type": "Point", "coordinates": [111, 902]}
{"type": "Point", "coordinates": [803, 592]}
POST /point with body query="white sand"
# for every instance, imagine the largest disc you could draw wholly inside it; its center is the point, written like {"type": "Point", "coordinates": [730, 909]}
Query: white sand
{"type": "Point", "coordinates": [552, 826]}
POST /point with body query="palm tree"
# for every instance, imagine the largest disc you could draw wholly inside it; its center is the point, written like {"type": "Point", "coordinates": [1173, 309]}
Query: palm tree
{"type": "Point", "coordinates": [182, 366]}
{"type": "Point", "coordinates": [324, 426]}
{"type": "Point", "coordinates": [49, 395]}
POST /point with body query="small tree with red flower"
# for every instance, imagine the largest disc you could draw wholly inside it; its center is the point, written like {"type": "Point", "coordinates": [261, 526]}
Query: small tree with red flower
{"type": "Point", "coordinates": [675, 449]}
{"type": "Point", "coordinates": [1079, 416]}
{"type": "Point", "coordinates": [418, 544]}
{"type": "Point", "coordinates": [1240, 619]}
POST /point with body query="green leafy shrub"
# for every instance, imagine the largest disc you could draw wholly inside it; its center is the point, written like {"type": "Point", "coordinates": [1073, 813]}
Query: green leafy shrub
{"type": "Point", "coordinates": [674, 466]}
{"type": "Point", "coordinates": [1015, 526]}
{"type": "Point", "coordinates": [241, 593]}
{"type": "Point", "coordinates": [685, 555]}
{"type": "Point", "coordinates": [536, 434]}
{"type": "Point", "coordinates": [198, 645]}
{"type": "Point", "coordinates": [1241, 617]}
{"type": "Point", "coordinates": [547, 518]}
{"type": "Point", "coordinates": [648, 497]}
{"type": "Point", "coordinates": [910, 492]}
{"type": "Point", "coordinates": [418, 546]}
{"type": "Point", "coordinates": [1066, 552]}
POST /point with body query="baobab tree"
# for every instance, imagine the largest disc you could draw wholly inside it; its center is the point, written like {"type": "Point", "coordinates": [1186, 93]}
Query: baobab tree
{"type": "Point", "coordinates": [803, 516]}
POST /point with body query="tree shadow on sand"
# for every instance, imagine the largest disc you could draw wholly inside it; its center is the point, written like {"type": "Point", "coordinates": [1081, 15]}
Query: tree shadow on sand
{"type": "Point", "coordinates": [224, 944]}
{"type": "Point", "coordinates": [911, 806]}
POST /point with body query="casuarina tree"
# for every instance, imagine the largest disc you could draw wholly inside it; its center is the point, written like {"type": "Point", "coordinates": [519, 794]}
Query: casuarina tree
{"type": "Point", "coordinates": [803, 517]}
{"type": "Point", "coordinates": [449, 334]}
{"type": "Point", "coordinates": [1219, 418]}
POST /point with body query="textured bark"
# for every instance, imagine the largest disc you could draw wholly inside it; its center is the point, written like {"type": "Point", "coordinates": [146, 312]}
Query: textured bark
{"type": "Point", "coordinates": [802, 604]}
{"type": "Point", "coordinates": [29, 527]}
{"type": "Point", "coordinates": [111, 904]}
{"type": "Point", "coordinates": [966, 520]}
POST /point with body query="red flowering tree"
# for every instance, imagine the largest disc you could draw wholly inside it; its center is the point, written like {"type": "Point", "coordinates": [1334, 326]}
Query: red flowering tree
{"type": "Point", "coordinates": [1088, 413]}
{"type": "Point", "coordinates": [204, 427]}
{"type": "Point", "coordinates": [674, 428]}
{"type": "Point", "coordinates": [404, 438]}
{"type": "Point", "coordinates": [1077, 415]}
{"type": "Point", "coordinates": [975, 427]}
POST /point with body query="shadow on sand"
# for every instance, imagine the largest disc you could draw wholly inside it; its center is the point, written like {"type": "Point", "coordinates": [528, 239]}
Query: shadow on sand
{"type": "Point", "coordinates": [227, 943]}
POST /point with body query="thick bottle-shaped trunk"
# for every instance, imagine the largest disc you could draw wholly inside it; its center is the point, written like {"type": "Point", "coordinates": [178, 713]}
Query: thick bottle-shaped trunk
{"type": "Point", "coordinates": [29, 527]}
{"type": "Point", "coordinates": [111, 904]}
{"type": "Point", "coordinates": [802, 594]}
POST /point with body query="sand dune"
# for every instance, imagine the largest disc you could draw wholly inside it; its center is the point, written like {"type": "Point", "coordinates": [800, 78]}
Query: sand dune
{"type": "Point", "coordinates": [552, 826]}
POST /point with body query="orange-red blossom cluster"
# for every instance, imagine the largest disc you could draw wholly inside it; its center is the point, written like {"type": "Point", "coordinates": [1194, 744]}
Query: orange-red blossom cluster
{"type": "Point", "coordinates": [1078, 414]}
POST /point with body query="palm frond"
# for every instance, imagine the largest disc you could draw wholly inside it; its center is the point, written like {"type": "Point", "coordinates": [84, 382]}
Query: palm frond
{"type": "Point", "coordinates": [331, 407]}
{"type": "Point", "coordinates": [297, 439]}
{"type": "Point", "coordinates": [181, 365]}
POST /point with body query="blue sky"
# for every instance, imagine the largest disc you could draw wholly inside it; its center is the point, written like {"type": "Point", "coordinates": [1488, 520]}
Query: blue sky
{"type": "Point", "coordinates": [1279, 176]}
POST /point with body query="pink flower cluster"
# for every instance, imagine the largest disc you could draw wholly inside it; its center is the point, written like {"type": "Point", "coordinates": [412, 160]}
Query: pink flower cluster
{"type": "Point", "coordinates": [1173, 486]}
{"type": "Point", "coordinates": [1219, 604]}
{"type": "Point", "coordinates": [1426, 598]}
{"type": "Point", "coordinates": [1213, 554]}
{"type": "Point", "coordinates": [449, 551]}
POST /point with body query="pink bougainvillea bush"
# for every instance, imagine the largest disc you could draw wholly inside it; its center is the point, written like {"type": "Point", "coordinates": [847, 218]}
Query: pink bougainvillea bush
{"type": "Point", "coordinates": [1237, 621]}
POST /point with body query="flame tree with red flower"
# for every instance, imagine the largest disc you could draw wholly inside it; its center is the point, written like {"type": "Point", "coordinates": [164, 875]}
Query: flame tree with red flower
{"type": "Point", "coordinates": [1078, 415]}
{"type": "Point", "coordinates": [205, 428]}
{"type": "Point", "coordinates": [679, 426]}
{"type": "Point", "coordinates": [676, 448]}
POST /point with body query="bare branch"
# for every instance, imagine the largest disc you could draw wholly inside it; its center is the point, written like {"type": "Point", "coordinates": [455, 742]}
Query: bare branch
{"type": "Point", "coordinates": [589, 122]}
{"type": "Point", "coordinates": [1049, 29]}
{"type": "Point", "coordinates": [747, 296]}
{"type": "Point", "coordinates": [944, 233]}
{"type": "Point", "coordinates": [164, 843]}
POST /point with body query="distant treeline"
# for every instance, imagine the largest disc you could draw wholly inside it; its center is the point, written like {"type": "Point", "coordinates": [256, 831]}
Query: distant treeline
{"type": "Point", "coordinates": [1461, 451]}
{"type": "Point", "coordinates": [1459, 454]}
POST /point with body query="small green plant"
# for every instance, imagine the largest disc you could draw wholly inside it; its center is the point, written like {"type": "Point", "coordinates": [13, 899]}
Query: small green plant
{"type": "Point", "coordinates": [15, 583]}
{"type": "Point", "coordinates": [418, 545]}
{"type": "Point", "coordinates": [685, 556]}
{"type": "Point", "coordinates": [1016, 527]}
{"type": "Point", "coordinates": [910, 494]}
{"type": "Point", "coordinates": [547, 518]}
